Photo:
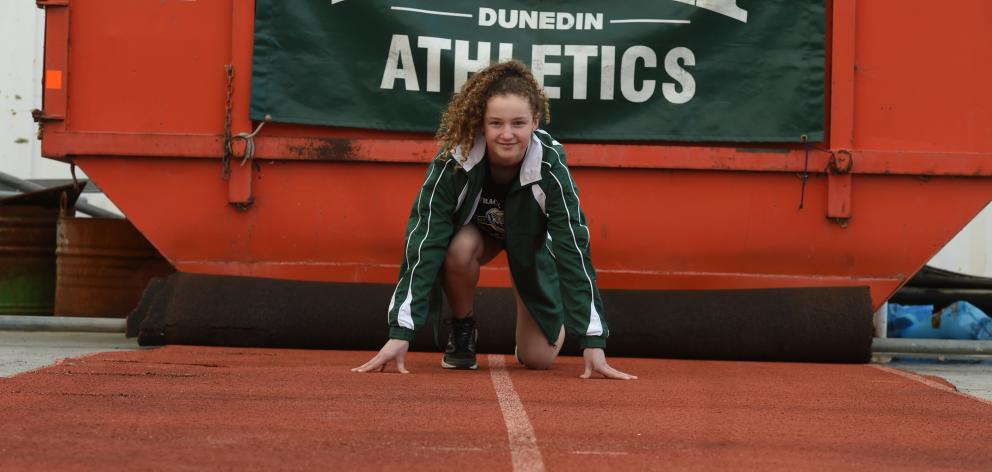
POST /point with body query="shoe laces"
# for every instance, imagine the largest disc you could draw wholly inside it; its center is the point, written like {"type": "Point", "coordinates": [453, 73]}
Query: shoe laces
{"type": "Point", "coordinates": [462, 330]}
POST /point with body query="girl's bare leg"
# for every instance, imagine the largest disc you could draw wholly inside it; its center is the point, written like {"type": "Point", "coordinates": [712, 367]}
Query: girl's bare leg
{"type": "Point", "coordinates": [533, 348]}
{"type": "Point", "coordinates": [469, 250]}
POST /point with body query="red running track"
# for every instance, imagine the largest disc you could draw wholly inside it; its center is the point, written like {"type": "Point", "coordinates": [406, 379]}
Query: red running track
{"type": "Point", "coordinates": [191, 408]}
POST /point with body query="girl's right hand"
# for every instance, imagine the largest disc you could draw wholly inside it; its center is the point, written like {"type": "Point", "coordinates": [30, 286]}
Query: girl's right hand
{"type": "Point", "coordinates": [394, 349]}
{"type": "Point", "coordinates": [596, 362]}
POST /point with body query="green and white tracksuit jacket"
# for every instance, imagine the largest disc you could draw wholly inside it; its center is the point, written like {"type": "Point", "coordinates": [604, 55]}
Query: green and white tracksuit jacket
{"type": "Point", "coordinates": [547, 242]}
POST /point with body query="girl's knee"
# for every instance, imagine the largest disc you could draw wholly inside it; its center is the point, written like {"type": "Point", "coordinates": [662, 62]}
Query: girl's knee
{"type": "Point", "coordinates": [536, 362]}
{"type": "Point", "coordinates": [461, 256]}
{"type": "Point", "coordinates": [539, 365]}
{"type": "Point", "coordinates": [464, 249]}
{"type": "Point", "coordinates": [458, 259]}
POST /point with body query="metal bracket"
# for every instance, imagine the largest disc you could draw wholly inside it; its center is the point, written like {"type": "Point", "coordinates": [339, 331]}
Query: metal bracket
{"type": "Point", "coordinates": [841, 162]}
{"type": "Point", "coordinates": [52, 3]}
{"type": "Point", "coordinates": [240, 194]}
{"type": "Point", "coordinates": [839, 180]}
{"type": "Point", "coordinates": [40, 117]}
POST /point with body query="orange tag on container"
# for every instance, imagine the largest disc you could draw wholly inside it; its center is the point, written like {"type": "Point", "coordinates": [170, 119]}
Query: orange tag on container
{"type": "Point", "coordinates": [53, 79]}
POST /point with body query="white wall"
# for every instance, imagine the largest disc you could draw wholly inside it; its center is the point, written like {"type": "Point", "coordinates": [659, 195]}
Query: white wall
{"type": "Point", "coordinates": [22, 41]}
{"type": "Point", "coordinates": [970, 252]}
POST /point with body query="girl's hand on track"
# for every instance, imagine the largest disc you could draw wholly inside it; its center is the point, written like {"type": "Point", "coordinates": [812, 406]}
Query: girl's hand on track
{"type": "Point", "coordinates": [596, 362]}
{"type": "Point", "coordinates": [395, 349]}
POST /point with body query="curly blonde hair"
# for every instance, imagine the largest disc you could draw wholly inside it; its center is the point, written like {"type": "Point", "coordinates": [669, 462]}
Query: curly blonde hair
{"type": "Point", "coordinates": [462, 120]}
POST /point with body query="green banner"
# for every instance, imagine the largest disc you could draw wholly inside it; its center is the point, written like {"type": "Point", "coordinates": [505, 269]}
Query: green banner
{"type": "Point", "coordinates": [625, 70]}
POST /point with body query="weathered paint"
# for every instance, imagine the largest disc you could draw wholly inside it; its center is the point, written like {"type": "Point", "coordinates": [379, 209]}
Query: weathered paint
{"type": "Point", "coordinates": [326, 149]}
{"type": "Point", "coordinates": [663, 215]}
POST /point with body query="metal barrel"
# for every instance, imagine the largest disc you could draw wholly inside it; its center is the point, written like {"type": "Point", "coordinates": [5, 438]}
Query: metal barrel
{"type": "Point", "coordinates": [103, 266]}
{"type": "Point", "coordinates": [27, 259]}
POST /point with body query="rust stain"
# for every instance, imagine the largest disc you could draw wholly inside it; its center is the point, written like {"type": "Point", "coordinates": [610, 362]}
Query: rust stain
{"type": "Point", "coordinates": [327, 149]}
{"type": "Point", "coordinates": [112, 252]}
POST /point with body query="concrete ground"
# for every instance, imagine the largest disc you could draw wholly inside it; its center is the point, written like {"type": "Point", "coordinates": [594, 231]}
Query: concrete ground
{"type": "Point", "coordinates": [972, 378]}
{"type": "Point", "coordinates": [21, 351]}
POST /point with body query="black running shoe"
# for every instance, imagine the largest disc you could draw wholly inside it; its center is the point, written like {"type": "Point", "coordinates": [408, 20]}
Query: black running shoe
{"type": "Point", "coordinates": [460, 353]}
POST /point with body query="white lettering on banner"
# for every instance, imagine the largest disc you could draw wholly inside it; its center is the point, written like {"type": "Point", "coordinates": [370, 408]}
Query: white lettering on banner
{"type": "Point", "coordinates": [532, 19]}
{"type": "Point", "coordinates": [528, 20]}
{"type": "Point", "coordinates": [723, 7]}
{"type": "Point", "coordinates": [607, 70]}
{"type": "Point", "coordinates": [541, 68]}
{"type": "Point", "coordinates": [434, 46]}
{"type": "Point", "coordinates": [464, 65]}
{"type": "Point", "coordinates": [636, 84]}
{"type": "Point", "coordinates": [505, 52]}
{"type": "Point", "coordinates": [627, 65]}
{"type": "Point", "coordinates": [399, 64]}
{"type": "Point", "coordinates": [547, 19]}
{"type": "Point", "coordinates": [487, 17]}
{"type": "Point", "coordinates": [507, 20]}
{"type": "Point", "coordinates": [594, 21]}
{"type": "Point", "coordinates": [580, 69]}
{"type": "Point", "coordinates": [680, 75]}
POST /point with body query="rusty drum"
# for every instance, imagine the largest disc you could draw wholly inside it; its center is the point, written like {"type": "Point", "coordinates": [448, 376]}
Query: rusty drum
{"type": "Point", "coordinates": [27, 259]}
{"type": "Point", "coordinates": [102, 267]}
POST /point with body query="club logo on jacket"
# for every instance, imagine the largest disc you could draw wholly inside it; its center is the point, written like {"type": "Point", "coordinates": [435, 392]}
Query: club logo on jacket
{"type": "Point", "coordinates": [491, 222]}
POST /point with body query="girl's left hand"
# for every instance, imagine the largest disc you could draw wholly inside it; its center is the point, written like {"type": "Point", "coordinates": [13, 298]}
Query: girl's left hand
{"type": "Point", "coordinates": [596, 362]}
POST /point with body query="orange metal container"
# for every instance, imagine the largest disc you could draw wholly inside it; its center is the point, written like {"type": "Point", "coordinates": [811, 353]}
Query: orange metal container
{"type": "Point", "coordinates": [138, 102]}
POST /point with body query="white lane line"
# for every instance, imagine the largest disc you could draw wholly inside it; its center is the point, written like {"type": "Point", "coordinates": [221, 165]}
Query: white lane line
{"type": "Point", "coordinates": [930, 383]}
{"type": "Point", "coordinates": [523, 442]}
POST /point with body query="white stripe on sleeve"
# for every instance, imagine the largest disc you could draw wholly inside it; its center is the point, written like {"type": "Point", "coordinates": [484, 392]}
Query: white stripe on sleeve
{"type": "Point", "coordinates": [595, 323]}
{"type": "Point", "coordinates": [404, 316]}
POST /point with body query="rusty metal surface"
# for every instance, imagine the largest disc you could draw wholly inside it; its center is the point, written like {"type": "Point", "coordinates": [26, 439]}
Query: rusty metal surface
{"type": "Point", "coordinates": [27, 249]}
{"type": "Point", "coordinates": [329, 145]}
{"type": "Point", "coordinates": [27, 259]}
{"type": "Point", "coordinates": [103, 266]}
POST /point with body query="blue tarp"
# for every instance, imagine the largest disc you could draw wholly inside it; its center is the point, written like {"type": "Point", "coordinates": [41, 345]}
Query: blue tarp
{"type": "Point", "coordinates": [960, 320]}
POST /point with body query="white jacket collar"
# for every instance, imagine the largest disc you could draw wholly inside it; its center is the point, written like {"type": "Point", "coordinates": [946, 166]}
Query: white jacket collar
{"type": "Point", "coordinates": [530, 169]}
{"type": "Point", "coordinates": [475, 155]}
